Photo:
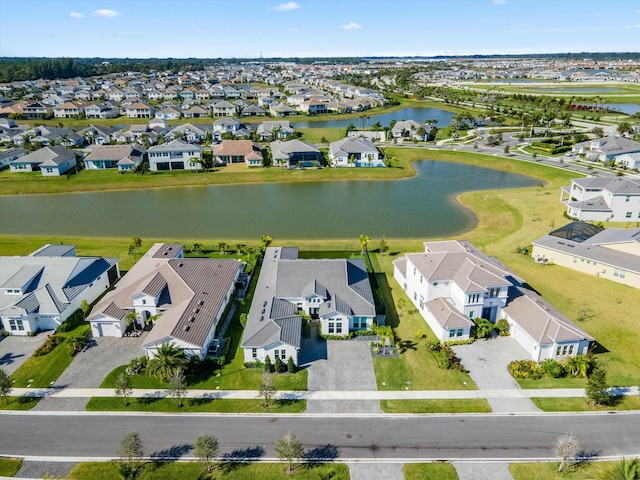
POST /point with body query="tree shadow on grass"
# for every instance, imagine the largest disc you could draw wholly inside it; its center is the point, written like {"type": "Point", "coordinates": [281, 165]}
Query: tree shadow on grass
{"type": "Point", "coordinates": [404, 345]}
{"type": "Point", "coordinates": [171, 454]}
{"type": "Point", "coordinates": [197, 402]}
{"type": "Point", "coordinates": [240, 457]}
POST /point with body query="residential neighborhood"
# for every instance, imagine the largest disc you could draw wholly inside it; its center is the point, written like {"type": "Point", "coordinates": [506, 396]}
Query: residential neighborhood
{"type": "Point", "coordinates": [319, 240]}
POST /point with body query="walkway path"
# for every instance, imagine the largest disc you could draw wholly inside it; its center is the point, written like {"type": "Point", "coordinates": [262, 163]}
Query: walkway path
{"type": "Point", "coordinates": [359, 395]}
{"type": "Point", "coordinates": [482, 471]}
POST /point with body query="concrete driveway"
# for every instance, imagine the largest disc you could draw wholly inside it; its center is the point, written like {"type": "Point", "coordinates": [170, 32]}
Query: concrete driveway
{"type": "Point", "coordinates": [15, 350]}
{"type": "Point", "coordinates": [338, 365]}
{"type": "Point", "coordinates": [487, 362]}
{"type": "Point", "coordinates": [89, 368]}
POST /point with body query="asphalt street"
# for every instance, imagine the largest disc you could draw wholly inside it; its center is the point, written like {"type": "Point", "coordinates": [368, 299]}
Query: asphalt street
{"type": "Point", "coordinates": [83, 435]}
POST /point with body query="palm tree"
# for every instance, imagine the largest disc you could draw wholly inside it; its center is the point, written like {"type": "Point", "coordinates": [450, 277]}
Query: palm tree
{"type": "Point", "coordinates": [132, 319]}
{"type": "Point", "coordinates": [623, 470]}
{"type": "Point", "coordinates": [364, 241]}
{"type": "Point", "coordinates": [166, 360]}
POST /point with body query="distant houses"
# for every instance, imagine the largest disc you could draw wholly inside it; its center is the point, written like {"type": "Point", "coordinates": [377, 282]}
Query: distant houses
{"type": "Point", "coordinates": [50, 161]}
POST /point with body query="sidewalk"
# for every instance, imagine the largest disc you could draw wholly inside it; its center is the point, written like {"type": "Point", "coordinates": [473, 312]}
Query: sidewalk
{"type": "Point", "coordinates": [324, 395]}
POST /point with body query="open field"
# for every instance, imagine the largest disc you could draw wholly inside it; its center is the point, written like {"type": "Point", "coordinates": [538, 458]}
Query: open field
{"type": "Point", "coordinates": [193, 471]}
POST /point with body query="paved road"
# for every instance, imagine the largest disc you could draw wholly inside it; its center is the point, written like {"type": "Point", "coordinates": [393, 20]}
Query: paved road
{"type": "Point", "coordinates": [449, 437]}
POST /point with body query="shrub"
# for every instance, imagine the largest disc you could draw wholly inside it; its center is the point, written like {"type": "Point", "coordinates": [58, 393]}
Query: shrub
{"type": "Point", "coordinates": [267, 364]}
{"type": "Point", "coordinates": [255, 364]}
{"type": "Point", "coordinates": [278, 365]}
{"type": "Point", "coordinates": [552, 368]}
{"type": "Point", "coordinates": [502, 326]}
{"type": "Point", "coordinates": [484, 328]}
{"type": "Point", "coordinates": [445, 356]}
{"type": "Point", "coordinates": [74, 321]}
{"type": "Point", "coordinates": [468, 341]}
{"type": "Point", "coordinates": [221, 359]}
{"type": "Point", "coordinates": [363, 333]}
{"type": "Point", "coordinates": [48, 345]}
{"type": "Point", "coordinates": [328, 336]}
{"type": "Point", "coordinates": [291, 367]}
{"type": "Point", "coordinates": [522, 369]}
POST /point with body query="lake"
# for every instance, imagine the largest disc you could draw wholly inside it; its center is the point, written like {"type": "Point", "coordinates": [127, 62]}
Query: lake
{"type": "Point", "coordinates": [418, 207]}
{"type": "Point", "coordinates": [418, 114]}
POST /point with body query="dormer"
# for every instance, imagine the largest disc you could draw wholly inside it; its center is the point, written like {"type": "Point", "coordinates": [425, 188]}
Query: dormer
{"type": "Point", "coordinates": [21, 282]}
{"type": "Point", "coordinates": [596, 144]}
{"type": "Point", "coordinates": [151, 292]}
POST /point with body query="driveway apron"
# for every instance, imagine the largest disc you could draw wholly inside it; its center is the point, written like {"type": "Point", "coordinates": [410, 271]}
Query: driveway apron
{"type": "Point", "coordinates": [487, 362]}
{"type": "Point", "coordinates": [338, 365]}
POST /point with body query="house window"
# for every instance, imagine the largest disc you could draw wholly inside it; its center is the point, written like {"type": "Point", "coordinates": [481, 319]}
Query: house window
{"type": "Point", "coordinates": [254, 353]}
{"type": "Point", "coordinates": [16, 324]}
{"type": "Point", "coordinates": [471, 314]}
{"type": "Point", "coordinates": [459, 332]}
{"type": "Point", "coordinates": [558, 350]}
{"type": "Point", "coordinates": [570, 350]}
{"type": "Point", "coordinates": [628, 215]}
{"type": "Point", "coordinates": [144, 302]}
{"type": "Point", "coordinates": [276, 354]}
{"type": "Point", "coordinates": [493, 292]}
{"type": "Point", "coordinates": [421, 302]}
{"type": "Point", "coordinates": [283, 354]}
{"type": "Point", "coordinates": [619, 273]}
{"type": "Point", "coordinates": [452, 333]}
{"type": "Point", "coordinates": [564, 350]}
{"type": "Point", "coordinates": [332, 327]}
{"type": "Point", "coordinates": [339, 327]}
{"type": "Point", "coordinates": [628, 199]}
{"type": "Point", "coordinates": [415, 295]}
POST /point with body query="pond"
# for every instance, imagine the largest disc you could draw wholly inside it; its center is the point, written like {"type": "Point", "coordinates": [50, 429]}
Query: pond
{"type": "Point", "coordinates": [443, 118]}
{"type": "Point", "coordinates": [418, 207]}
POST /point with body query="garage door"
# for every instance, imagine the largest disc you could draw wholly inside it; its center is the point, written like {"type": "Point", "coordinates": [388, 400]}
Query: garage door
{"type": "Point", "coordinates": [109, 330]}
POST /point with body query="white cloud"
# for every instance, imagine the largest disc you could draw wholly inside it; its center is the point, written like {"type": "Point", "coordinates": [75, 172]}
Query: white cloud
{"type": "Point", "coordinates": [105, 12]}
{"type": "Point", "coordinates": [284, 7]}
{"type": "Point", "coordinates": [499, 2]}
{"type": "Point", "coordinates": [75, 15]}
{"type": "Point", "coordinates": [629, 27]}
{"type": "Point", "coordinates": [351, 26]}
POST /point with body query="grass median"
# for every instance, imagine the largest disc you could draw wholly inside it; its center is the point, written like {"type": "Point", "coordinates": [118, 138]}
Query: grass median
{"type": "Point", "coordinates": [218, 405]}
{"type": "Point", "coordinates": [429, 471]}
{"type": "Point", "coordinates": [228, 470]}
{"type": "Point", "coordinates": [460, 405]}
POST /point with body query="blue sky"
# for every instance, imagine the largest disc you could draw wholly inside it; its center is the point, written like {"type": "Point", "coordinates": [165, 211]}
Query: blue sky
{"type": "Point", "coordinates": [249, 28]}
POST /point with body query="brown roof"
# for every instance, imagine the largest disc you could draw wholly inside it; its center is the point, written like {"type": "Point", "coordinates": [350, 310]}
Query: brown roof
{"type": "Point", "coordinates": [193, 291]}
{"type": "Point", "coordinates": [238, 147]}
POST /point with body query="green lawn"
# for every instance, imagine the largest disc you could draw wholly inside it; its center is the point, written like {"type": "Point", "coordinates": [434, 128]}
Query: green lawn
{"type": "Point", "coordinates": [429, 471]}
{"type": "Point", "coordinates": [415, 368]}
{"type": "Point", "coordinates": [547, 382]}
{"type": "Point", "coordinates": [463, 405]}
{"type": "Point", "coordinates": [228, 471]}
{"type": "Point", "coordinates": [9, 466]}
{"type": "Point", "coordinates": [233, 376]}
{"type": "Point", "coordinates": [582, 405]}
{"type": "Point", "coordinates": [548, 471]}
{"type": "Point", "coordinates": [47, 368]}
{"type": "Point", "coordinates": [18, 403]}
{"type": "Point", "coordinates": [194, 405]}
{"type": "Point", "coordinates": [315, 135]}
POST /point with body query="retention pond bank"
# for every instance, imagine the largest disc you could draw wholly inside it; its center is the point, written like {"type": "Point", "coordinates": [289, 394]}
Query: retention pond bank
{"type": "Point", "coordinates": [419, 207]}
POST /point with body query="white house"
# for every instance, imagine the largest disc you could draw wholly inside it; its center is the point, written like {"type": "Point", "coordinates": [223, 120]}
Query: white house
{"type": "Point", "coordinates": [41, 291]}
{"type": "Point", "coordinates": [354, 152]}
{"type": "Point", "coordinates": [613, 254]}
{"type": "Point", "coordinates": [606, 148]}
{"type": "Point", "coordinates": [51, 161]}
{"type": "Point", "coordinates": [175, 155]}
{"type": "Point", "coordinates": [9, 155]}
{"type": "Point", "coordinates": [295, 153]}
{"type": "Point", "coordinates": [336, 292]}
{"type": "Point", "coordinates": [452, 283]}
{"type": "Point", "coordinates": [189, 296]}
{"type": "Point", "coordinates": [192, 133]}
{"type": "Point", "coordinates": [603, 199]}
{"type": "Point", "coordinates": [123, 157]}
{"type": "Point", "coordinates": [630, 161]}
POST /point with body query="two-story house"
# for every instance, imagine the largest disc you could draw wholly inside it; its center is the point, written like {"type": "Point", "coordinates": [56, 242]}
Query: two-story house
{"type": "Point", "coordinates": [174, 155]}
{"type": "Point", "coordinates": [452, 283]}
{"type": "Point", "coordinates": [603, 199]}
{"type": "Point", "coordinates": [354, 152]}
